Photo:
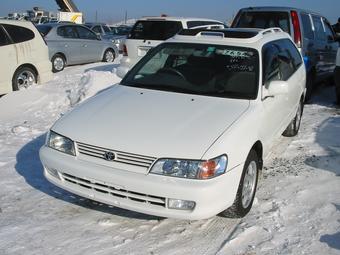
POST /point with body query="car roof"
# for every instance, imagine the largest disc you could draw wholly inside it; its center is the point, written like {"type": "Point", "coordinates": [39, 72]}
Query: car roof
{"type": "Point", "coordinates": [278, 8]}
{"type": "Point", "coordinates": [168, 18]}
{"type": "Point", "coordinates": [95, 24]}
{"type": "Point", "coordinates": [23, 23]}
{"type": "Point", "coordinates": [242, 37]}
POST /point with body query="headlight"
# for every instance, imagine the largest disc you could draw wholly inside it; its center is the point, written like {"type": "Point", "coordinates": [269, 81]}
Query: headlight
{"type": "Point", "coordinates": [113, 41]}
{"type": "Point", "coordinates": [191, 169]}
{"type": "Point", "coordinates": [61, 143]}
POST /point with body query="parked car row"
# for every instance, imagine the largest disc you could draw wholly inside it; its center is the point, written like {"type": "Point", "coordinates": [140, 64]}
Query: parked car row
{"type": "Point", "coordinates": [190, 92]}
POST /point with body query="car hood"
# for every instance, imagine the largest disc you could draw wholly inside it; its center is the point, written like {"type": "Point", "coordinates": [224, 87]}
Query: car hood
{"type": "Point", "coordinates": [150, 122]}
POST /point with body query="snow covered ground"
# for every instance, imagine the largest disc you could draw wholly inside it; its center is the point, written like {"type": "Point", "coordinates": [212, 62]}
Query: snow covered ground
{"type": "Point", "coordinates": [296, 211]}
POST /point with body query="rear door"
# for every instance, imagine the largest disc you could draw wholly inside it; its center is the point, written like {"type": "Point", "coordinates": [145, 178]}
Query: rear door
{"type": "Point", "coordinates": [90, 47]}
{"type": "Point", "coordinates": [69, 44]}
{"type": "Point", "coordinates": [147, 34]}
{"type": "Point", "coordinates": [8, 61]}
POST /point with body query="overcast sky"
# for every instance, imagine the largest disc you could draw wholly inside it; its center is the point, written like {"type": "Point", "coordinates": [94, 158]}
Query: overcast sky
{"type": "Point", "coordinates": [114, 10]}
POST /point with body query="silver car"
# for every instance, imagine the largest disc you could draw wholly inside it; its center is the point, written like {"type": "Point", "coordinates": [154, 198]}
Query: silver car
{"type": "Point", "coordinates": [71, 44]}
{"type": "Point", "coordinates": [107, 33]}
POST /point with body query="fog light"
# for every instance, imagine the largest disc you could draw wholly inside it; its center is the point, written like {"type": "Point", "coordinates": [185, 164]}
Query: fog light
{"type": "Point", "coordinates": [181, 204]}
{"type": "Point", "coordinates": [53, 172]}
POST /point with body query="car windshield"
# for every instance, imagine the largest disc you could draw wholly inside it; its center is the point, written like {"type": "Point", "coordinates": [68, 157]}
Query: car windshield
{"type": "Point", "coordinates": [202, 69]}
{"type": "Point", "coordinates": [44, 29]}
{"type": "Point", "coordinates": [155, 30]}
{"type": "Point", "coordinates": [266, 19]}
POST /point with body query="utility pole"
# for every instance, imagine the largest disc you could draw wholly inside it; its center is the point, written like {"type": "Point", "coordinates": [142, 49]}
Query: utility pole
{"type": "Point", "coordinates": [96, 16]}
{"type": "Point", "coordinates": [125, 20]}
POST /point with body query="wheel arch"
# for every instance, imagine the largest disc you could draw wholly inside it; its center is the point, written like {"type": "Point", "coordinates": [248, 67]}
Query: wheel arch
{"type": "Point", "coordinates": [258, 148]}
{"type": "Point", "coordinates": [60, 53]}
{"type": "Point", "coordinates": [29, 66]}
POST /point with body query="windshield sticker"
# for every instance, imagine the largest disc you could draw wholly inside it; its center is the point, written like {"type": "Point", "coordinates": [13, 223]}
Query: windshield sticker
{"type": "Point", "coordinates": [211, 49]}
{"type": "Point", "coordinates": [235, 53]}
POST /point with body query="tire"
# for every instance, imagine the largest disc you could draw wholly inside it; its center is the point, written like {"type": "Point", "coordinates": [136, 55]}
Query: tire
{"type": "Point", "coordinates": [243, 202]}
{"type": "Point", "coordinates": [109, 56]}
{"type": "Point", "coordinates": [24, 78]}
{"type": "Point", "coordinates": [294, 125]}
{"type": "Point", "coordinates": [58, 63]}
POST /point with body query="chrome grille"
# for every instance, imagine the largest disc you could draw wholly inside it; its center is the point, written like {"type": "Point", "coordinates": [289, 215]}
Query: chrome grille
{"type": "Point", "coordinates": [120, 157]}
{"type": "Point", "coordinates": [115, 192]}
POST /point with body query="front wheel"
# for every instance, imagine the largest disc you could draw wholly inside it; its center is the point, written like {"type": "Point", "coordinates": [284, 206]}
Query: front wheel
{"type": "Point", "coordinates": [109, 56]}
{"type": "Point", "coordinates": [23, 78]}
{"type": "Point", "coordinates": [294, 125]}
{"type": "Point", "coordinates": [247, 188]}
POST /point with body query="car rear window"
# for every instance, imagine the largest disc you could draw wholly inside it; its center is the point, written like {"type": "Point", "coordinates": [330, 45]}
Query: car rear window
{"type": "Point", "coordinates": [155, 30]}
{"type": "Point", "coordinates": [252, 19]}
{"type": "Point", "coordinates": [44, 29]}
{"type": "Point", "coordinates": [19, 34]}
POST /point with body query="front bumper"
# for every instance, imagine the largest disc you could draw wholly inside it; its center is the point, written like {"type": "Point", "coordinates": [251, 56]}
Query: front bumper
{"type": "Point", "coordinates": [144, 193]}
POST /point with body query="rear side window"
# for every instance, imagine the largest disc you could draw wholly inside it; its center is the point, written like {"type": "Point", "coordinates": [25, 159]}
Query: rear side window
{"type": "Point", "coordinates": [155, 30]}
{"type": "Point", "coordinates": [307, 26]}
{"type": "Point", "coordinates": [4, 40]}
{"type": "Point", "coordinates": [19, 34]}
{"type": "Point", "coordinates": [264, 20]}
{"type": "Point", "coordinates": [85, 33]}
{"type": "Point", "coordinates": [67, 32]}
{"type": "Point", "coordinates": [319, 30]}
{"type": "Point", "coordinates": [44, 30]}
{"type": "Point", "coordinates": [97, 29]}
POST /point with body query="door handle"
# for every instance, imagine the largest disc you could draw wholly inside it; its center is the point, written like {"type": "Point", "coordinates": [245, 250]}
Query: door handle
{"type": "Point", "coordinates": [85, 45]}
{"type": "Point", "coordinates": [66, 45]}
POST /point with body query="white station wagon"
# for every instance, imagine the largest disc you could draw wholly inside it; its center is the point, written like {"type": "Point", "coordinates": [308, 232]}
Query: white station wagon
{"type": "Point", "coordinates": [185, 133]}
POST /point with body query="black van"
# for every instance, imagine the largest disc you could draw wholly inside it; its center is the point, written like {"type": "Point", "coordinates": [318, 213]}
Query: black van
{"type": "Point", "coordinates": [311, 32]}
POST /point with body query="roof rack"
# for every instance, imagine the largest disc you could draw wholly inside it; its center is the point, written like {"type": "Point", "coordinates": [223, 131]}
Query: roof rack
{"type": "Point", "coordinates": [234, 33]}
{"type": "Point", "coordinates": [271, 30]}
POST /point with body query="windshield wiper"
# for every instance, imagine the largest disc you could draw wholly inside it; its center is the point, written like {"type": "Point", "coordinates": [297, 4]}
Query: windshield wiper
{"type": "Point", "coordinates": [163, 87]}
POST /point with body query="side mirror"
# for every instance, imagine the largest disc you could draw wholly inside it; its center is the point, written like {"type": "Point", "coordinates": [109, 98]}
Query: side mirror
{"type": "Point", "coordinates": [275, 88]}
{"type": "Point", "coordinates": [99, 38]}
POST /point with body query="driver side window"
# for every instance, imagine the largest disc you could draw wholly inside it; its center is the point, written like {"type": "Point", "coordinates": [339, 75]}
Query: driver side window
{"type": "Point", "coordinates": [271, 65]}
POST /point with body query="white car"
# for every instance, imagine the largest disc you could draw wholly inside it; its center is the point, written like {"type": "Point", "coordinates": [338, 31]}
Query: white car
{"type": "Point", "coordinates": [185, 133]}
{"type": "Point", "coordinates": [24, 56]}
{"type": "Point", "coordinates": [148, 32]}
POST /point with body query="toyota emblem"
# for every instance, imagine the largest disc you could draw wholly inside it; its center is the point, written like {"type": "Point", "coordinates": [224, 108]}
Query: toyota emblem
{"type": "Point", "coordinates": [109, 156]}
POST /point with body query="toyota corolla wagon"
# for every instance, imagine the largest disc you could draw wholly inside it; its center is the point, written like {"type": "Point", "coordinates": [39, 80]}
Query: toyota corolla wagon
{"type": "Point", "coordinates": [185, 133]}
